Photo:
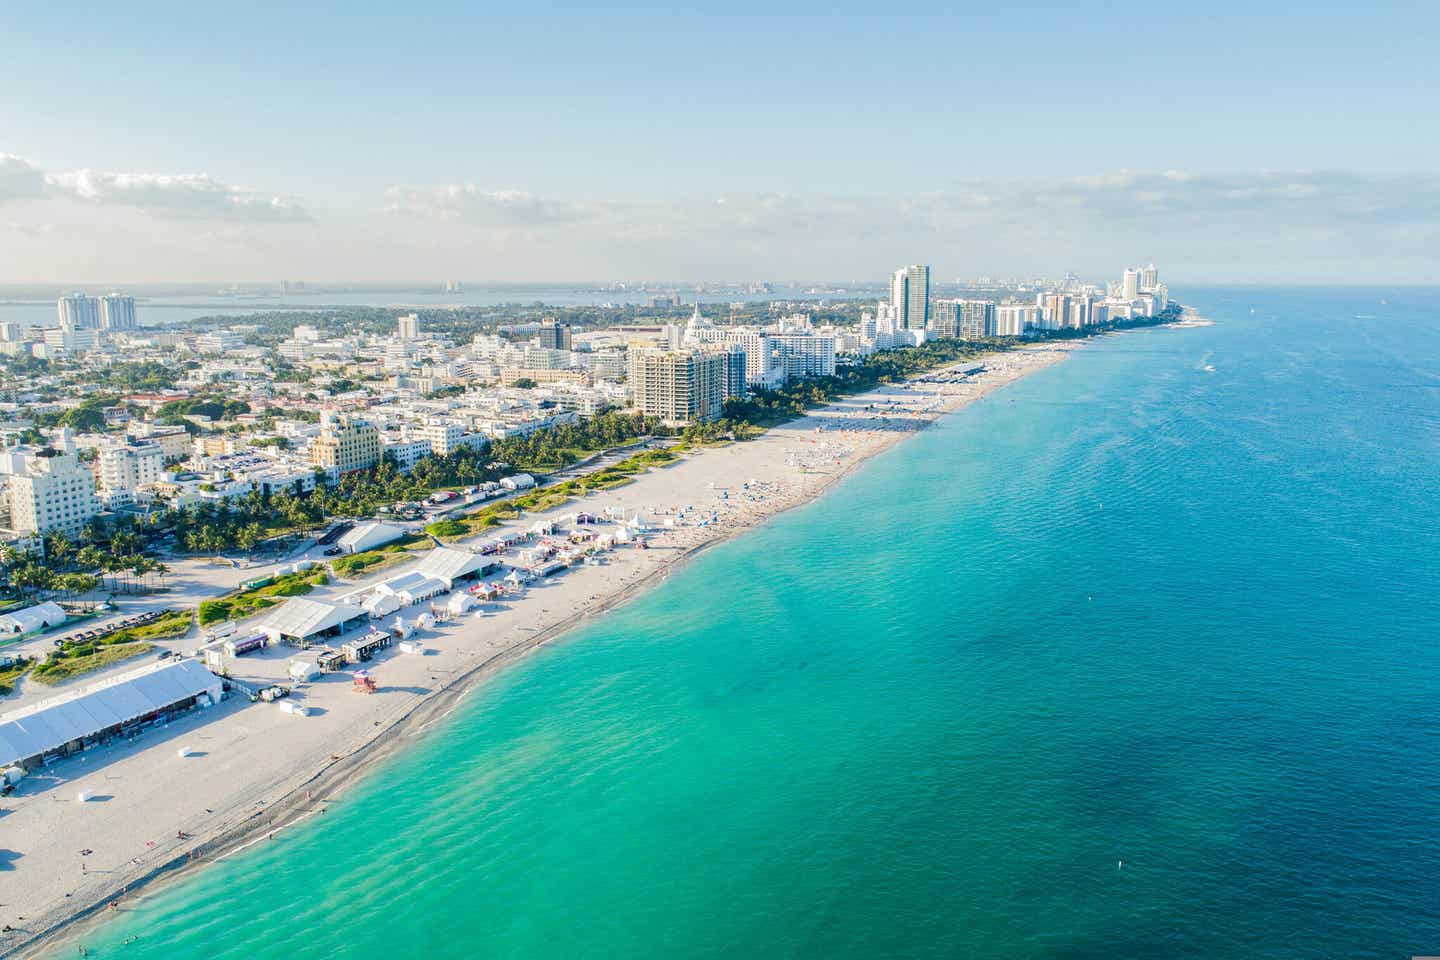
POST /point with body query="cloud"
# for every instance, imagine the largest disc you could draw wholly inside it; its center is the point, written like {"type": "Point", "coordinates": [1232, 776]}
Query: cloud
{"type": "Point", "coordinates": [186, 196]}
{"type": "Point", "coordinates": [492, 208]}
{"type": "Point", "coordinates": [1123, 198]}
{"type": "Point", "coordinates": [1288, 198]}
{"type": "Point", "coordinates": [19, 179]}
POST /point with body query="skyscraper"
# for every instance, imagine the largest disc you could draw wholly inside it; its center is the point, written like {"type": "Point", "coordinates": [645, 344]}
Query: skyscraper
{"type": "Point", "coordinates": [910, 297]}
{"type": "Point", "coordinates": [1130, 286]}
{"type": "Point", "coordinates": [81, 312]}
{"type": "Point", "coordinates": [117, 312]}
{"type": "Point", "coordinates": [966, 319]}
{"type": "Point", "coordinates": [408, 327]}
{"type": "Point", "coordinates": [1149, 277]}
{"type": "Point", "coordinates": [554, 335]}
{"type": "Point", "coordinates": [680, 387]}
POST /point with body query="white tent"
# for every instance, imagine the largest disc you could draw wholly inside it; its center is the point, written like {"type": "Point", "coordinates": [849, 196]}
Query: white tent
{"type": "Point", "coordinates": [42, 616]}
{"type": "Point", "coordinates": [368, 536]}
{"type": "Point", "coordinates": [382, 604]}
{"type": "Point", "coordinates": [449, 565]}
{"type": "Point", "coordinates": [29, 733]}
{"type": "Point", "coordinates": [413, 587]}
{"type": "Point", "coordinates": [460, 603]}
{"type": "Point", "coordinates": [303, 619]}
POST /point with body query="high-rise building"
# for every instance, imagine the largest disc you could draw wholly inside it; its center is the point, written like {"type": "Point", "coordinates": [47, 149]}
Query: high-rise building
{"type": "Point", "coordinates": [80, 311]}
{"type": "Point", "coordinates": [345, 445]}
{"type": "Point", "coordinates": [1130, 285]}
{"type": "Point", "coordinates": [117, 312]}
{"type": "Point", "coordinates": [805, 354]}
{"type": "Point", "coordinates": [68, 340]}
{"type": "Point", "coordinates": [910, 297]}
{"type": "Point", "coordinates": [125, 466]}
{"type": "Point", "coordinates": [555, 335]}
{"type": "Point", "coordinates": [680, 387]}
{"type": "Point", "coordinates": [965, 319]}
{"type": "Point", "coordinates": [447, 436]}
{"type": "Point", "coordinates": [763, 359]}
{"type": "Point", "coordinates": [408, 327]}
{"type": "Point", "coordinates": [55, 492]}
{"type": "Point", "coordinates": [1054, 310]}
{"type": "Point", "coordinates": [1149, 278]}
{"type": "Point", "coordinates": [1012, 319]}
{"type": "Point", "coordinates": [733, 385]}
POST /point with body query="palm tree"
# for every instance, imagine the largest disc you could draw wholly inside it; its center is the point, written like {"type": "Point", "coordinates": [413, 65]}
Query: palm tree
{"type": "Point", "coordinates": [90, 558]}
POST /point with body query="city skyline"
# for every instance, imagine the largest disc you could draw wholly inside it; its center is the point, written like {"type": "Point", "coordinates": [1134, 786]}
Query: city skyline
{"type": "Point", "coordinates": [451, 143]}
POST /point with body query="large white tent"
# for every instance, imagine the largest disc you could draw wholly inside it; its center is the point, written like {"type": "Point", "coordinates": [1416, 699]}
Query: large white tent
{"type": "Point", "coordinates": [67, 722]}
{"type": "Point", "coordinates": [303, 621]}
{"type": "Point", "coordinates": [450, 565]}
{"type": "Point", "coordinates": [368, 536]}
{"type": "Point", "coordinates": [42, 616]}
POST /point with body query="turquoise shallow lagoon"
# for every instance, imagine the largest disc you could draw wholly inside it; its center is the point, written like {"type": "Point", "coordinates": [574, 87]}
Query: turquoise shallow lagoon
{"type": "Point", "coordinates": [1171, 602]}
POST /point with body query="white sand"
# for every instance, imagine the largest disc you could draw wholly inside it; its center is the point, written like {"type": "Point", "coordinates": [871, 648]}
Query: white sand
{"type": "Point", "coordinates": [256, 769]}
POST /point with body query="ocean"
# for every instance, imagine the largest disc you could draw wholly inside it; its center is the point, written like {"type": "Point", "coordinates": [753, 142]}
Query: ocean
{"type": "Point", "coordinates": [1135, 658]}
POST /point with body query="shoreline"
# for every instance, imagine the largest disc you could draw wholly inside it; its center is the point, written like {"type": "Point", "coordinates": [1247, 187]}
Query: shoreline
{"type": "Point", "coordinates": [305, 790]}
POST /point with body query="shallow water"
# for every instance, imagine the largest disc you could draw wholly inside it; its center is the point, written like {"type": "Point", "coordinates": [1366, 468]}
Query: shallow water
{"type": "Point", "coordinates": [1171, 602]}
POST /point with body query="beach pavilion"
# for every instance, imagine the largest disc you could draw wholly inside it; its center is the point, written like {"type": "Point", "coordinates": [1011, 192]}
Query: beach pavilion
{"type": "Point", "coordinates": [302, 622]}
{"type": "Point", "coordinates": [115, 706]}
{"type": "Point", "coordinates": [455, 566]}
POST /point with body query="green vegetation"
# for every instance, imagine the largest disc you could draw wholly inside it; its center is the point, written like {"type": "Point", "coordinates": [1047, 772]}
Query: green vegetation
{"type": "Point", "coordinates": [76, 659]}
{"type": "Point", "coordinates": [144, 375]}
{"type": "Point", "coordinates": [247, 603]}
{"type": "Point", "coordinates": [555, 495]}
{"type": "Point", "coordinates": [359, 564]}
{"type": "Point", "coordinates": [172, 624]}
{"type": "Point", "coordinates": [9, 676]}
{"type": "Point", "coordinates": [214, 407]}
{"type": "Point", "coordinates": [446, 528]}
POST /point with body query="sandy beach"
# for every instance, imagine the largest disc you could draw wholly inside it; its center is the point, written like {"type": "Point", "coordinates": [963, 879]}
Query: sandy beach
{"type": "Point", "coordinates": [253, 770]}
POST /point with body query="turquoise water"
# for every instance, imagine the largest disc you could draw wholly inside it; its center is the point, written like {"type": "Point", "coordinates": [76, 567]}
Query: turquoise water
{"type": "Point", "coordinates": [1172, 602]}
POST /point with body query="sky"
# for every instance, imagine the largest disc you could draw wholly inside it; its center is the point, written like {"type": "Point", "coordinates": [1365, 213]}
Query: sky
{"type": "Point", "coordinates": [1241, 142]}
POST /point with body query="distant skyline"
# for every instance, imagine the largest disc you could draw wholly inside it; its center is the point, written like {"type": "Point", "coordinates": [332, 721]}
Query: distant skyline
{"type": "Point", "coordinates": [1241, 143]}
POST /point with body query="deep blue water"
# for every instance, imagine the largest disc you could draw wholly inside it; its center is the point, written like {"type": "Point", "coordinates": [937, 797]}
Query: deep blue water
{"type": "Point", "coordinates": [1171, 602]}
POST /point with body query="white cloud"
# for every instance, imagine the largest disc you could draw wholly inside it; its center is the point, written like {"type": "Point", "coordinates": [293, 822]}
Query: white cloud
{"type": "Point", "coordinates": [1239, 226]}
{"type": "Point", "coordinates": [188, 196]}
{"type": "Point", "coordinates": [468, 203]}
{"type": "Point", "coordinates": [1125, 197]}
{"type": "Point", "coordinates": [19, 179]}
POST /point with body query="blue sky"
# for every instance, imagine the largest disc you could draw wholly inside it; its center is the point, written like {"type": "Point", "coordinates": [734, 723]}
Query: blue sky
{"type": "Point", "coordinates": [559, 141]}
